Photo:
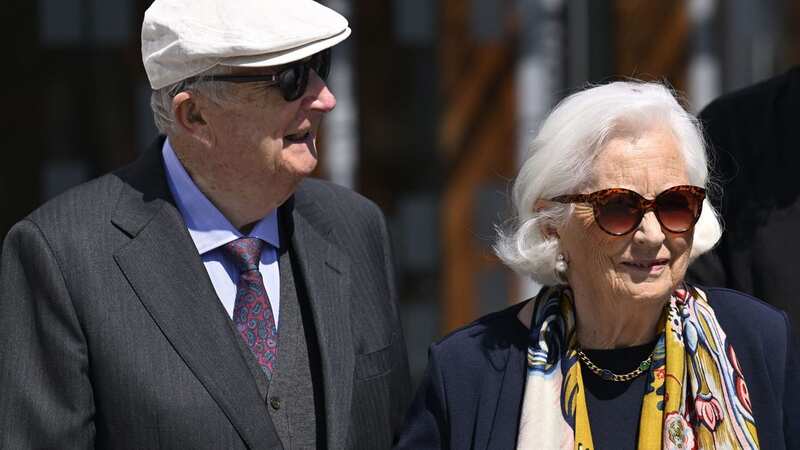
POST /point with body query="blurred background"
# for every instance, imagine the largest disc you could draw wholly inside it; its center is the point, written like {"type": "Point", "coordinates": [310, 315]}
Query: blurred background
{"type": "Point", "coordinates": [437, 101]}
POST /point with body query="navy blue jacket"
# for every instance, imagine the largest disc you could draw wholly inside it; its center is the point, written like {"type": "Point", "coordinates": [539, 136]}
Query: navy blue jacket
{"type": "Point", "coordinates": [471, 395]}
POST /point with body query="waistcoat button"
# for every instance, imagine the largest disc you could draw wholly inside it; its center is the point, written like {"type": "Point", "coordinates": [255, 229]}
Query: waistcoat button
{"type": "Point", "coordinates": [275, 402]}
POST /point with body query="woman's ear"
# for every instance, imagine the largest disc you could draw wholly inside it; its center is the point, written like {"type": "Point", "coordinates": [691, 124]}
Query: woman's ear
{"type": "Point", "coordinates": [547, 229]}
{"type": "Point", "coordinates": [541, 204]}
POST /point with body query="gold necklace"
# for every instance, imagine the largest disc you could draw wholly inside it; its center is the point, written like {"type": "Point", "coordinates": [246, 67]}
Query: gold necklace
{"type": "Point", "coordinates": [611, 376]}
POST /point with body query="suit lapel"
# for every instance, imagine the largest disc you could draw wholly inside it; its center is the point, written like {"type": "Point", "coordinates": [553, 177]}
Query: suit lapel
{"type": "Point", "coordinates": [324, 271]}
{"type": "Point", "coordinates": [500, 398]}
{"type": "Point", "coordinates": [489, 396]}
{"type": "Point", "coordinates": [163, 268]}
{"type": "Point", "coordinates": [507, 385]}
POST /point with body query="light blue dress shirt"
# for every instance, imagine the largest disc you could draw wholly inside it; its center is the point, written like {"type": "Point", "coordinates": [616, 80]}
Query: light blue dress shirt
{"type": "Point", "coordinates": [210, 230]}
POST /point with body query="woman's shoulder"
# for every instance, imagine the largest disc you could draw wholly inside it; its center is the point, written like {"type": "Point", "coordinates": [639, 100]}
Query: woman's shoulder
{"type": "Point", "coordinates": [743, 313]}
{"type": "Point", "coordinates": [485, 336]}
{"type": "Point", "coordinates": [762, 338]}
{"type": "Point", "coordinates": [759, 332]}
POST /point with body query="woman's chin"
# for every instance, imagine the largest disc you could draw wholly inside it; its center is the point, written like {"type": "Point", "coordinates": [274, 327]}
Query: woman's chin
{"type": "Point", "coordinates": [649, 290]}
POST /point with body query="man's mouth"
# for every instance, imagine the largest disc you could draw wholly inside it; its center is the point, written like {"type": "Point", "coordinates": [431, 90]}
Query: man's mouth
{"type": "Point", "coordinates": [298, 137]}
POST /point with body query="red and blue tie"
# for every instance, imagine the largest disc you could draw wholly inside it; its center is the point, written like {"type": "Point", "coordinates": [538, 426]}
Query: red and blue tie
{"type": "Point", "coordinates": [252, 312]}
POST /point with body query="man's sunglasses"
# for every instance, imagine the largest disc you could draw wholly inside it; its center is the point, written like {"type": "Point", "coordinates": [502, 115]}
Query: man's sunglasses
{"type": "Point", "coordinates": [619, 211]}
{"type": "Point", "coordinates": [292, 81]}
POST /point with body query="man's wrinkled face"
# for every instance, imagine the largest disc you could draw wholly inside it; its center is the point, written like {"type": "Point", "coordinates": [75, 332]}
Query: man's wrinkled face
{"type": "Point", "coordinates": [258, 136]}
{"type": "Point", "coordinates": [649, 262]}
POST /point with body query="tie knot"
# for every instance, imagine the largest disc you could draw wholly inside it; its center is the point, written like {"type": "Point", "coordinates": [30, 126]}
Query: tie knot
{"type": "Point", "coordinates": [245, 253]}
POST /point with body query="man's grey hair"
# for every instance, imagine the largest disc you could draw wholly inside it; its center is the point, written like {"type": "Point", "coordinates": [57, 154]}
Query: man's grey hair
{"type": "Point", "coordinates": [561, 157]}
{"type": "Point", "coordinates": [161, 99]}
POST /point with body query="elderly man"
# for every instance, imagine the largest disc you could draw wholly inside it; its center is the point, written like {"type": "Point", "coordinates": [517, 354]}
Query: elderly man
{"type": "Point", "coordinates": [209, 296]}
{"type": "Point", "coordinates": [754, 137]}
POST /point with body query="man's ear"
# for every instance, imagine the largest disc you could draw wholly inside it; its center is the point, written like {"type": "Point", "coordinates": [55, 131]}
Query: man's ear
{"type": "Point", "coordinates": [189, 116]}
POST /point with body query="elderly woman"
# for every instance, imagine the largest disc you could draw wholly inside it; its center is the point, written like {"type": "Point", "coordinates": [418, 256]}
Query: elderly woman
{"type": "Point", "coordinates": [616, 351]}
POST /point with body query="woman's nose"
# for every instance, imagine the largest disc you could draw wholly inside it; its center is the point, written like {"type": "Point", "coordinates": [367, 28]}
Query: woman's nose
{"type": "Point", "coordinates": [649, 231]}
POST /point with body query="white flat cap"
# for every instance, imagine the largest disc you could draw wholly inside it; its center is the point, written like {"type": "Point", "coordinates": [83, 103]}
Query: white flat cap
{"type": "Point", "coordinates": [182, 38]}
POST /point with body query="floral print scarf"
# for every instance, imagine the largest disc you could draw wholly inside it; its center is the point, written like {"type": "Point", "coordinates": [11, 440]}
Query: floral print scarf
{"type": "Point", "coordinates": [696, 396]}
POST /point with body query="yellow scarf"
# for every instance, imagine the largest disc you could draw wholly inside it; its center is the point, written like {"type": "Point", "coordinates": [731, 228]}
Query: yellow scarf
{"type": "Point", "coordinates": [696, 396]}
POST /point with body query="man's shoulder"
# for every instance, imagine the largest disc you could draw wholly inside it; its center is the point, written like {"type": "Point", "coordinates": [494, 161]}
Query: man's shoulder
{"type": "Point", "coordinates": [79, 205]}
{"type": "Point", "coordinates": [99, 196]}
{"type": "Point", "coordinates": [322, 190]}
{"type": "Point", "coordinates": [72, 222]}
{"type": "Point", "coordinates": [346, 203]}
{"type": "Point", "coordinates": [753, 99]}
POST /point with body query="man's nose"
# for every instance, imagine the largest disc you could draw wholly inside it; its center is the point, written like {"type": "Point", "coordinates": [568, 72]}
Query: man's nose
{"type": "Point", "coordinates": [322, 99]}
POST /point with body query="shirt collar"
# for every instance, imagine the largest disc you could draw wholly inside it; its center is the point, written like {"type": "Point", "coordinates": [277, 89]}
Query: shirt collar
{"type": "Point", "coordinates": [208, 228]}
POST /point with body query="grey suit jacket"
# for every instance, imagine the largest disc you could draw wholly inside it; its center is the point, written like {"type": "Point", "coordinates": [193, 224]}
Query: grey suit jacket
{"type": "Point", "coordinates": [113, 337]}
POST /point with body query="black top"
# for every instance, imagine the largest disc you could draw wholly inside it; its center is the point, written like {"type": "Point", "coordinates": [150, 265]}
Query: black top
{"type": "Point", "coordinates": [614, 407]}
{"type": "Point", "coordinates": [471, 394]}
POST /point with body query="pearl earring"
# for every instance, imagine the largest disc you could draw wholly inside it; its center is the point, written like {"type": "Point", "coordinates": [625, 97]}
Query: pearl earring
{"type": "Point", "coordinates": [561, 268]}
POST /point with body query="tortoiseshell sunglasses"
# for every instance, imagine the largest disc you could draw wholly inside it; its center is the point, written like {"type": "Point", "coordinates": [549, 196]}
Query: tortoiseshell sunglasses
{"type": "Point", "coordinates": [619, 211]}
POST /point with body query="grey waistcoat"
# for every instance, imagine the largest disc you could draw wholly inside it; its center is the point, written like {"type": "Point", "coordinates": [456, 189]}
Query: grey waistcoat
{"type": "Point", "coordinates": [294, 396]}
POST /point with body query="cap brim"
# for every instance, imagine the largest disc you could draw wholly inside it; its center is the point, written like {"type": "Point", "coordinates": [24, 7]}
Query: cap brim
{"type": "Point", "coordinates": [286, 56]}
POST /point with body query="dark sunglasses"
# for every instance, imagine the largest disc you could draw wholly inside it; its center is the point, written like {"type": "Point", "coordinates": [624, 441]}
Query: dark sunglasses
{"type": "Point", "coordinates": [619, 211]}
{"type": "Point", "coordinates": [292, 81]}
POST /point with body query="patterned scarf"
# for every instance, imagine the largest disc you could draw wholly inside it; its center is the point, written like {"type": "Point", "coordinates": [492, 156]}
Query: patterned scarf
{"type": "Point", "coordinates": [696, 396]}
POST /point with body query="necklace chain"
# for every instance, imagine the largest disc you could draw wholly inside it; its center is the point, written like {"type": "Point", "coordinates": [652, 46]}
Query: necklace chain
{"type": "Point", "coordinates": [611, 376]}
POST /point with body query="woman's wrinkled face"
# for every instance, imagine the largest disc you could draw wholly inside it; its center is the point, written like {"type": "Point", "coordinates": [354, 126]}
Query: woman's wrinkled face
{"type": "Point", "coordinates": [649, 262]}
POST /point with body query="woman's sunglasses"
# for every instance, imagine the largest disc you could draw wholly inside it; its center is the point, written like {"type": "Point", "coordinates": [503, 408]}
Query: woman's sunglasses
{"type": "Point", "coordinates": [292, 81]}
{"type": "Point", "coordinates": [619, 211]}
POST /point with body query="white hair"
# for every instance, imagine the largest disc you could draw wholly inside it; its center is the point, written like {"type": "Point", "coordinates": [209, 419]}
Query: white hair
{"type": "Point", "coordinates": [561, 157]}
{"type": "Point", "coordinates": [161, 99]}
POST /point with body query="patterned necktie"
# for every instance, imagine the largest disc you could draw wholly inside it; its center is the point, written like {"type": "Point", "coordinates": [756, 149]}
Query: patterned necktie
{"type": "Point", "coordinates": [252, 312]}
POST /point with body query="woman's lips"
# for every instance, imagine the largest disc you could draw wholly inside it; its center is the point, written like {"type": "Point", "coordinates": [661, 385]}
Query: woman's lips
{"type": "Point", "coordinates": [647, 265]}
